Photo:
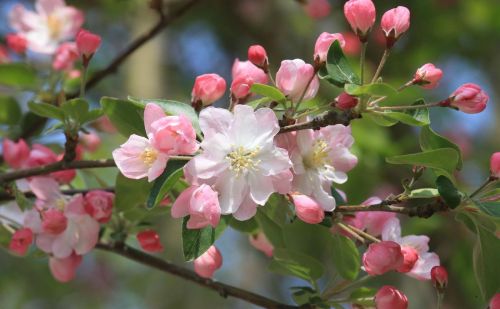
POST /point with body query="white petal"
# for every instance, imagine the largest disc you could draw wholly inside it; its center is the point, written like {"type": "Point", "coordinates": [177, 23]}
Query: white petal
{"type": "Point", "coordinates": [261, 187]}
{"type": "Point", "coordinates": [392, 230]}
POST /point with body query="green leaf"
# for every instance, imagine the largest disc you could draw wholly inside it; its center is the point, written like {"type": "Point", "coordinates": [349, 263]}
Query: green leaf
{"type": "Point", "coordinates": [489, 208]}
{"type": "Point", "coordinates": [163, 184]}
{"type": "Point", "coordinates": [46, 110]}
{"type": "Point", "coordinates": [21, 200]}
{"type": "Point", "coordinates": [18, 75]}
{"type": "Point", "coordinates": [380, 119]}
{"type": "Point", "coordinates": [249, 226]}
{"type": "Point", "coordinates": [363, 296]}
{"type": "Point", "coordinates": [75, 109]}
{"type": "Point", "coordinates": [430, 140]}
{"type": "Point", "coordinates": [126, 116]}
{"type": "Point", "coordinates": [196, 242]}
{"type": "Point", "coordinates": [92, 115]}
{"type": "Point", "coordinates": [423, 193]}
{"type": "Point", "coordinates": [130, 193]}
{"type": "Point", "coordinates": [376, 89]}
{"type": "Point", "coordinates": [337, 69]}
{"type": "Point", "coordinates": [268, 91]}
{"type": "Point", "coordinates": [303, 295]}
{"type": "Point", "coordinates": [297, 264]}
{"type": "Point", "coordinates": [171, 108]}
{"type": "Point", "coordinates": [448, 192]}
{"type": "Point", "coordinates": [270, 228]}
{"type": "Point", "coordinates": [10, 112]}
{"type": "Point", "coordinates": [444, 160]}
{"type": "Point", "coordinates": [345, 257]}
{"type": "Point", "coordinates": [311, 238]}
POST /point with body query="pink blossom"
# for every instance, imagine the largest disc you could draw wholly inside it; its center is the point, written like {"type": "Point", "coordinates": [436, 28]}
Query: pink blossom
{"type": "Point", "coordinates": [318, 9]}
{"type": "Point", "coordinates": [104, 124]}
{"type": "Point", "coordinates": [65, 57]}
{"type": "Point", "coordinates": [245, 74]}
{"type": "Point", "coordinates": [469, 98]}
{"type": "Point", "coordinates": [51, 24]}
{"type": "Point", "coordinates": [99, 205]}
{"type": "Point", "coordinates": [208, 88]}
{"type": "Point", "coordinates": [345, 101]}
{"type": "Point", "coordinates": [173, 135]}
{"type": "Point", "coordinates": [21, 241]}
{"type": "Point", "coordinates": [307, 209]}
{"type": "Point", "coordinates": [428, 76]}
{"type": "Point", "coordinates": [54, 221]}
{"type": "Point", "coordinates": [201, 203]}
{"type": "Point", "coordinates": [495, 165]}
{"type": "Point", "coordinates": [388, 297]}
{"type": "Point", "coordinates": [381, 257]}
{"type": "Point", "coordinates": [257, 55]}
{"type": "Point", "coordinates": [240, 87]}
{"type": "Point", "coordinates": [293, 77]}
{"type": "Point", "coordinates": [412, 244]}
{"type": "Point", "coordinates": [439, 277]}
{"type": "Point", "coordinates": [374, 221]}
{"type": "Point", "coordinates": [394, 23]}
{"type": "Point", "coordinates": [206, 264]}
{"type": "Point", "coordinates": [495, 301]}
{"type": "Point", "coordinates": [323, 43]}
{"type": "Point", "coordinates": [150, 241]}
{"type": "Point", "coordinates": [42, 155]}
{"type": "Point", "coordinates": [90, 141]}
{"type": "Point", "coordinates": [361, 16]}
{"type": "Point", "coordinates": [15, 154]}
{"type": "Point", "coordinates": [87, 43]}
{"type": "Point", "coordinates": [260, 242]}
{"type": "Point", "coordinates": [64, 269]}
{"type": "Point", "coordinates": [16, 42]}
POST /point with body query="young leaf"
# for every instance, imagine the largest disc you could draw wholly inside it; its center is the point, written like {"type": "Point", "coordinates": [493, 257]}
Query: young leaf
{"type": "Point", "coordinates": [268, 91]}
{"type": "Point", "coordinates": [489, 208]}
{"type": "Point", "coordinates": [10, 113]}
{"type": "Point", "coordinates": [196, 242]}
{"type": "Point", "coordinates": [126, 116]}
{"type": "Point", "coordinates": [130, 193]}
{"type": "Point", "coordinates": [430, 140]}
{"type": "Point", "coordinates": [163, 184]}
{"type": "Point", "coordinates": [270, 228]}
{"type": "Point", "coordinates": [448, 192]}
{"type": "Point", "coordinates": [423, 193]}
{"type": "Point", "coordinates": [444, 160]}
{"type": "Point", "coordinates": [292, 263]}
{"type": "Point", "coordinates": [18, 75]}
{"type": "Point", "coordinates": [311, 238]}
{"type": "Point", "coordinates": [249, 226]}
{"type": "Point", "coordinates": [46, 110]}
{"type": "Point", "coordinates": [420, 118]}
{"type": "Point", "coordinates": [337, 69]}
{"type": "Point", "coordinates": [345, 257]}
{"type": "Point", "coordinates": [376, 89]}
{"type": "Point", "coordinates": [75, 109]}
{"type": "Point", "coordinates": [380, 119]}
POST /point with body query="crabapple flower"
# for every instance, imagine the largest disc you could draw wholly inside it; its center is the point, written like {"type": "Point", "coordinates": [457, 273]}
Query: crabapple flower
{"type": "Point", "coordinates": [260, 242]}
{"type": "Point", "coordinates": [394, 23]}
{"type": "Point", "coordinates": [323, 43]}
{"type": "Point", "coordinates": [87, 43]}
{"type": "Point", "coordinates": [495, 301]}
{"type": "Point", "coordinates": [64, 269]}
{"type": "Point", "coordinates": [239, 158]}
{"type": "Point", "coordinates": [318, 9]}
{"type": "Point", "coordinates": [388, 297]}
{"type": "Point", "coordinates": [207, 263]}
{"type": "Point", "coordinates": [21, 241]}
{"type": "Point", "coordinates": [428, 76]}
{"type": "Point", "coordinates": [320, 158]}
{"type": "Point", "coordinates": [41, 155]}
{"type": "Point", "coordinates": [240, 87]}
{"type": "Point", "coordinates": [65, 57]}
{"type": "Point", "coordinates": [208, 88]}
{"type": "Point", "coordinates": [294, 76]}
{"type": "Point", "coordinates": [495, 165]}
{"type": "Point", "coordinates": [439, 277]}
{"type": "Point", "coordinates": [412, 246]}
{"type": "Point", "coordinates": [52, 23]}
{"type": "Point", "coordinates": [345, 101]}
{"type": "Point", "coordinates": [373, 221]}
{"type": "Point", "coordinates": [257, 55]}
{"type": "Point", "coordinates": [308, 209]}
{"type": "Point", "coordinates": [245, 74]}
{"type": "Point", "coordinates": [99, 205]}
{"type": "Point", "coordinates": [15, 154]}
{"type": "Point", "coordinates": [468, 98]}
{"type": "Point", "coordinates": [361, 16]}
{"type": "Point", "coordinates": [201, 203]}
{"type": "Point", "coordinates": [150, 241]}
{"type": "Point", "coordinates": [90, 141]}
{"type": "Point", "coordinates": [16, 42]}
{"type": "Point", "coordinates": [382, 257]}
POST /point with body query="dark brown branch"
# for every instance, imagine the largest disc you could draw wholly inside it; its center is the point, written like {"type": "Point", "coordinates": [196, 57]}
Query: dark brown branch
{"type": "Point", "coordinates": [9, 197]}
{"type": "Point", "coordinates": [422, 211]}
{"type": "Point", "coordinates": [330, 118]}
{"type": "Point", "coordinates": [223, 289]}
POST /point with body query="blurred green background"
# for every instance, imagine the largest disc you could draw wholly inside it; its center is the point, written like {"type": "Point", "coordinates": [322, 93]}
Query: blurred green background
{"type": "Point", "coordinates": [462, 37]}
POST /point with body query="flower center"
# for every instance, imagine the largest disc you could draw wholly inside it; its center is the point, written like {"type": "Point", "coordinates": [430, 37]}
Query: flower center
{"type": "Point", "coordinates": [319, 155]}
{"type": "Point", "coordinates": [242, 160]}
{"type": "Point", "coordinates": [149, 156]}
{"type": "Point", "coordinates": [60, 204]}
{"type": "Point", "coordinates": [54, 25]}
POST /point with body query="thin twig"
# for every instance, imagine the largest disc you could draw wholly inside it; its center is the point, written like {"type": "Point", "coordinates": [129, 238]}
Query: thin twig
{"type": "Point", "coordinates": [422, 211]}
{"type": "Point", "coordinates": [223, 289]}
{"type": "Point", "coordinates": [381, 65]}
{"type": "Point", "coordinates": [330, 118]}
{"type": "Point", "coordinates": [8, 197]}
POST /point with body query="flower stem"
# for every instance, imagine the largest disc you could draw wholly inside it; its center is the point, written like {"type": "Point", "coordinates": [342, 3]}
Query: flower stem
{"type": "Point", "coordinates": [349, 230]}
{"type": "Point", "coordinates": [381, 65]}
{"type": "Point", "coordinates": [337, 290]}
{"type": "Point", "coordinates": [364, 234]}
{"type": "Point", "coordinates": [409, 107]}
{"type": "Point", "coordinates": [83, 82]}
{"type": "Point", "coordinates": [440, 297]}
{"type": "Point", "coordinates": [483, 186]}
{"type": "Point", "coordinates": [305, 91]}
{"type": "Point", "coordinates": [362, 62]}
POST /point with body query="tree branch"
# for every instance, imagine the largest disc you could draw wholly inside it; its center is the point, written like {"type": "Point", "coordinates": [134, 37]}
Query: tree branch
{"type": "Point", "coordinates": [9, 197]}
{"type": "Point", "coordinates": [223, 289]}
{"type": "Point", "coordinates": [330, 118]}
{"type": "Point", "coordinates": [422, 211]}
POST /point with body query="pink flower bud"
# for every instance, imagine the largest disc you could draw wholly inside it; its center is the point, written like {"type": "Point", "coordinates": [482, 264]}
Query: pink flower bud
{"type": "Point", "coordinates": [323, 43]}
{"type": "Point", "coordinates": [87, 43]}
{"type": "Point", "coordinates": [54, 221]}
{"type": "Point", "coordinates": [64, 270]}
{"type": "Point", "coordinates": [260, 242]}
{"type": "Point", "coordinates": [257, 55]}
{"type": "Point", "coordinates": [468, 98]}
{"type": "Point", "coordinates": [361, 16]}
{"type": "Point", "coordinates": [410, 257]}
{"type": "Point", "coordinates": [307, 209]}
{"type": "Point", "coordinates": [439, 277]}
{"type": "Point", "coordinates": [17, 42]}
{"type": "Point", "coordinates": [345, 101]}
{"type": "Point", "coordinates": [318, 9]}
{"type": "Point", "coordinates": [382, 257]}
{"type": "Point", "coordinates": [428, 76]}
{"type": "Point", "coordinates": [15, 154]}
{"type": "Point", "coordinates": [65, 56]}
{"type": "Point", "coordinates": [245, 74]}
{"type": "Point", "coordinates": [201, 203]}
{"type": "Point", "coordinates": [495, 165]}
{"type": "Point", "coordinates": [394, 23]}
{"type": "Point", "coordinates": [495, 301]}
{"type": "Point", "coordinates": [206, 264]}
{"type": "Point", "coordinates": [149, 241]}
{"type": "Point", "coordinates": [90, 141]}
{"type": "Point", "coordinates": [388, 297]}
{"type": "Point", "coordinates": [21, 241]}
{"type": "Point", "coordinates": [99, 205]}
{"type": "Point", "coordinates": [240, 87]}
{"type": "Point", "coordinates": [173, 135]}
{"type": "Point", "coordinates": [208, 88]}
{"type": "Point", "coordinates": [293, 77]}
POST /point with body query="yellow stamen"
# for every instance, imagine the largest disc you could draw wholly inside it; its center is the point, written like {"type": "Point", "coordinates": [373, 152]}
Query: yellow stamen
{"type": "Point", "coordinates": [149, 156]}
{"type": "Point", "coordinates": [319, 156]}
{"type": "Point", "coordinates": [242, 160]}
{"type": "Point", "coordinates": [54, 25]}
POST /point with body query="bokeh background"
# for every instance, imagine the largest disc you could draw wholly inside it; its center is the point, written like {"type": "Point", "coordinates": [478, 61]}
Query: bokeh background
{"type": "Point", "coordinates": [460, 36]}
